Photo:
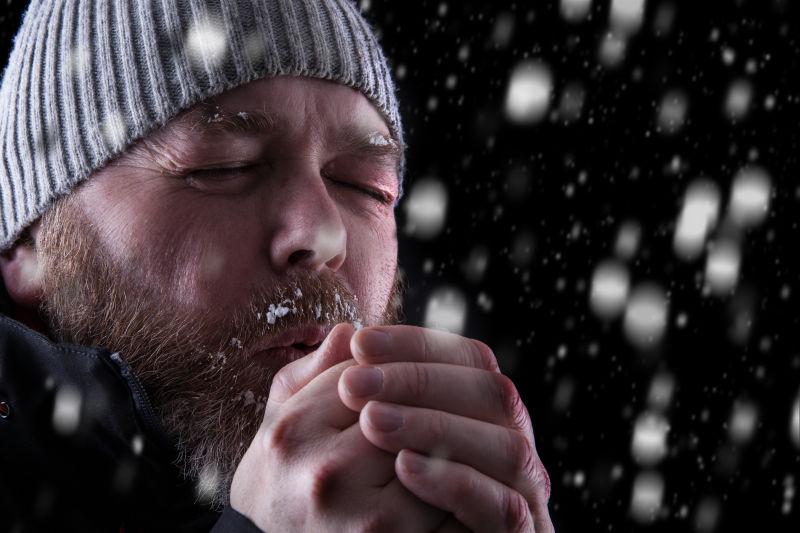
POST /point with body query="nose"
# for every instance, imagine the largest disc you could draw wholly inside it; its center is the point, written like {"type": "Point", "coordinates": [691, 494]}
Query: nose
{"type": "Point", "coordinates": [308, 229]}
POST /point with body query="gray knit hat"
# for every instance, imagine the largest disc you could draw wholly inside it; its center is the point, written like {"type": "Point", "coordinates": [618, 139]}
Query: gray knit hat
{"type": "Point", "coordinates": [86, 78]}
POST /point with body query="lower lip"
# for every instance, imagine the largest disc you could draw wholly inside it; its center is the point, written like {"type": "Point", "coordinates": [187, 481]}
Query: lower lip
{"type": "Point", "coordinates": [280, 356]}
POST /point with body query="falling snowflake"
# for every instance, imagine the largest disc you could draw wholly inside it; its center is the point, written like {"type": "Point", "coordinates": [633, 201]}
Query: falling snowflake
{"type": "Point", "coordinates": [447, 310]}
{"type": "Point", "coordinates": [529, 92]}
{"type": "Point", "coordinates": [750, 196]}
{"type": "Point", "coordinates": [627, 15]}
{"type": "Point", "coordinates": [672, 112]}
{"type": "Point", "coordinates": [206, 41]}
{"type": "Point", "coordinates": [739, 99]}
{"type": "Point", "coordinates": [609, 289]}
{"type": "Point", "coordinates": [575, 10]}
{"type": "Point", "coordinates": [137, 444]}
{"type": "Point", "coordinates": [794, 423]}
{"type": "Point", "coordinates": [722, 267]}
{"type": "Point", "coordinates": [701, 205]}
{"type": "Point", "coordinates": [208, 483]}
{"type": "Point", "coordinates": [426, 208]}
{"type": "Point", "coordinates": [647, 497]}
{"type": "Point", "coordinates": [646, 316]}
{"type": "Point", "coordinates": [649, 444]}
{"type": "Point", "coordinates": [744, 418]}
{"type": "Point", "coordinates": [67, 410]}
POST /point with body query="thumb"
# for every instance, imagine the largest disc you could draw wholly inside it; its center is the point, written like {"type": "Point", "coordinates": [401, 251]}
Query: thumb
{"type": "Point", "coordinates": [297, 374]}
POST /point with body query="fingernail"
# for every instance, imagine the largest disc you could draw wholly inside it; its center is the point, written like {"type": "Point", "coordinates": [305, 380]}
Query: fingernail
{"type": "Point", "coordinates": [363, 381]}
{"type": "Point", "coordinates": [373, 341]}
{"type": "Point", "coordinates": [414, 463]}
{"type": "Point", "coordinates": [384, 417]}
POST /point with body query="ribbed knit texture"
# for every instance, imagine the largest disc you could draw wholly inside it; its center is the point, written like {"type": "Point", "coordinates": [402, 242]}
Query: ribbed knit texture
{"type": "Point", "coordinates": [86, 78]}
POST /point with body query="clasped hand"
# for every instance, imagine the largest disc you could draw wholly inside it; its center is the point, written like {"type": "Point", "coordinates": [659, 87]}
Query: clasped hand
{"type": "Point", "coordinates": [394, 428]}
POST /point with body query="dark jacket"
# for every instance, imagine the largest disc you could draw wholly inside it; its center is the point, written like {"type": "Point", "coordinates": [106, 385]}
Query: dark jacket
{"type": "Point", "coordinates": [108, 469]}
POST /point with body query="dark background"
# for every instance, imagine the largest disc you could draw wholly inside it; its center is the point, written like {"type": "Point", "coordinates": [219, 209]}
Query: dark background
{"type": "Point", "coordinates": [545, 203]}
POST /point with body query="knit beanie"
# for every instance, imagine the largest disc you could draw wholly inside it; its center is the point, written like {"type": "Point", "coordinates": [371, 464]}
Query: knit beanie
{"type": "Point", "coordinates": [86, 78]}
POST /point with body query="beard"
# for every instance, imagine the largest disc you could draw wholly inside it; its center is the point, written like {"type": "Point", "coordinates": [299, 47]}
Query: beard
{"type": "Point", "coordinates": [197, 367]}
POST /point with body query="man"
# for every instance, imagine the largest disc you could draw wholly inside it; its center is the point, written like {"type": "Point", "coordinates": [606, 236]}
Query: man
{"type": "Point", "coordinates": [198, 209]}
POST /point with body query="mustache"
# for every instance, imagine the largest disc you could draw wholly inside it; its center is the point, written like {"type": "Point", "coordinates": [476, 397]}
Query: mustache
{"type": "Point", "coordinates": [300, 300]}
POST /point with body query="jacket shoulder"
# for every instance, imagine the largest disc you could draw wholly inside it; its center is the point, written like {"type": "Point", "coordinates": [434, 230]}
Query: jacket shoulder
{"type": "Point", "coordinates": [80, 445]}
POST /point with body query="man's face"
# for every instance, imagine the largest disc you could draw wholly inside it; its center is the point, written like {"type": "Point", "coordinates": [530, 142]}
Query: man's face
{"type": "Point", "coordinates": [268, 208]}
{"type": "Point", "coordinates": [230, 208]}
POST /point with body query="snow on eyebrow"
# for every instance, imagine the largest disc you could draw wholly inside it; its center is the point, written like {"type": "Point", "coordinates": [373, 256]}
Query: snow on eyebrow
{"type": "Point", "coordinates": [372, 144]}
{"type": "Point", "coordinates": [213, 120]}
{"type": "Point", "coordinates": [376, 138]}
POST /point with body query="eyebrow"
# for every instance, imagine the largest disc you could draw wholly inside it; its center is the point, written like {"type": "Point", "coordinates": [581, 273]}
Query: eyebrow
{"type": "Point", "coordinates": [371, 145]}
{"type": "Point", "coordinates": [211, 120]}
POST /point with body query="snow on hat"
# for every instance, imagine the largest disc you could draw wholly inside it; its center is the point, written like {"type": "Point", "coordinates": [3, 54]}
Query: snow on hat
{"type": "Point", "coordinates": [86, 78]}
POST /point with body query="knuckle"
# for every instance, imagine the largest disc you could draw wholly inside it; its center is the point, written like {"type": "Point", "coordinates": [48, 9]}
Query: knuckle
{"type": "Point", "coordinates": [418, 380]}
{"type": "Point", "coordinates": [486, 358]}
{"type": "Point", "coordinates": [540, 476]}
{"type": "Point", "coordinates": [523, 456]}
{"type": "Point", "coordinates": [378, 523]}
{"type": "Point", "coordinates": [546, 480]}
{"type": "Point", "coordinates": [516, 512]}
{"type": "Point", "coordinates": [509, 401]}
{"type": "Point", "coordinates": [425, 345]}
{"type": "Point", "coordinates": [461, 494]}
{"type": "Point", "coordinates": [283, 437]}
{"type": "Point", "coordinates": [324, 480]}
{"type": "Point", "coordinates": [439, 428]}
{"type": "Point", "coordinates": [282, 385]}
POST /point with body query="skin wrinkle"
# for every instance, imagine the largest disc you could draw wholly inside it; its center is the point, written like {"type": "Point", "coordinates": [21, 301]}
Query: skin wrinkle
{"type": "Point", "coordinates": [213, 122]}
{"type": "Point", "coordinates": [258, 123]}
{"type": "Point", "coordinates": [168, 160]}
{"type": "Point", "coordinates": [128, 232]}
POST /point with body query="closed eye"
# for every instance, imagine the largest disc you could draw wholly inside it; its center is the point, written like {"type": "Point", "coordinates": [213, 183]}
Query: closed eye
{"type": "Point", "coordinates": [219, 173]}
{"type": "Point", "coordinates": [223, 180]}
{"type": "Point", "coordinates": [376, 195]}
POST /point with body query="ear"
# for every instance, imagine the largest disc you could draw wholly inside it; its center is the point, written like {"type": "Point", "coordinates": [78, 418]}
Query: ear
{"type": "Point", "coordinates": [20, 269]}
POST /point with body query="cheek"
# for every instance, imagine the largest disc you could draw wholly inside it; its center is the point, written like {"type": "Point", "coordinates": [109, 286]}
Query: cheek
{"type": "Point", "coordinates": [371, 265]}
{"type": "Point", "coordinates": [198, 251]}
{"type": "Point", "coordinates": [215, 261]}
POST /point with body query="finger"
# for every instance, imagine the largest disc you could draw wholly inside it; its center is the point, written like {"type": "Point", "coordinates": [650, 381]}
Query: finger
{"type": "Point", "coordinates": [354, 462]}
{"type": "Point", "coordinates": [477, 501]}
{"type": "Point", "coordinates": [451, 525]}
{"type": "Point", "coordinates": [381, 344]}
{"type": "Point", "coordinates": [308, 394]}
{"type": "Point", "coordinates": [487, 396]}
{"type": "Point", "coordinates": [297, 374]}
{"type": "Point", "coordinates": [503, 454]}
{"type": "Point", "coordinates": [541, 514]}
{"type": "Point", "coordinates": [314, 412]}
{"type": "Point", "coordinates": [417, 515]}
{"type": "Point", "coordinates": [350, 460]}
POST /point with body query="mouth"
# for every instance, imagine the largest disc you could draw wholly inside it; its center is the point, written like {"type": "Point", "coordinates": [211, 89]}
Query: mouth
{"type": "Point", "coordinates": [305, 348]}
{"type": "Point", "coordinates": [292, 344]}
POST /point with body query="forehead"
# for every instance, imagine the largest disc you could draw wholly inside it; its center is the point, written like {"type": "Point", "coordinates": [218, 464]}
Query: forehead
{"type": "Point", "coordinates": [286, 103]}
